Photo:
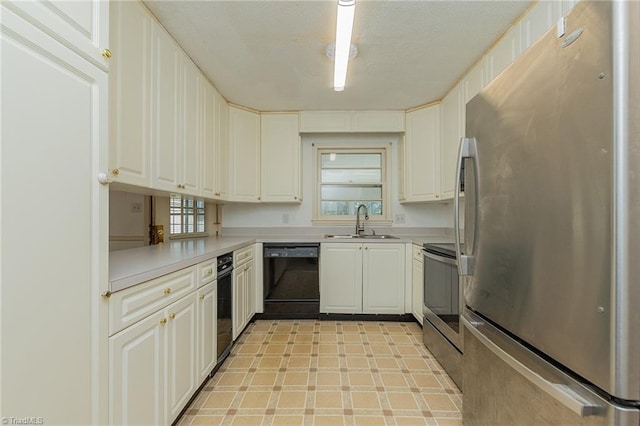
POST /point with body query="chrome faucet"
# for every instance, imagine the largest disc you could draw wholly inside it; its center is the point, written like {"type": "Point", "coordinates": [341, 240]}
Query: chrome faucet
{"type": "Point", "coordinates": [359, 226]}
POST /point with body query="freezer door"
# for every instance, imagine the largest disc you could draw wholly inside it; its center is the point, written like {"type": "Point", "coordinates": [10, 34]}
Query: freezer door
{"type": "Point", "coordinates": [540, 204]}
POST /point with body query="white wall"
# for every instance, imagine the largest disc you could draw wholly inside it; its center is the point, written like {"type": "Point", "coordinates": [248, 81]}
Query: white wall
{"type": "Point", "coordinates": [299, 215]}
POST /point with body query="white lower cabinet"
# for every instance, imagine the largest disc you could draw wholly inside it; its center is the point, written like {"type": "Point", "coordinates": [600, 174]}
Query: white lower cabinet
{"type": "Point", "coordinates": [207, 315]}
{"type": "Point", "coordinates": [136, 385]}
{"type": "Point", "coordinates": [417, 284]}
{"type": "Point", "coordinates": [362, 278]}
{"type": "Point", "coordinates": [180, 352]}
{"type": "Point", "coordinates": [243, 296]}
{"type": "Point", "coordinates": [158, 362]}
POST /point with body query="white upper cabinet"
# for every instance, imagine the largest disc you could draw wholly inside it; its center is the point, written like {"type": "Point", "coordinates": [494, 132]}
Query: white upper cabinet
{"type": "Point", "coordinates": [222, 147]}
{"type": "Point", "coordinates": [244, 155]}
{"type": "Point", "coordinates": [81, 26]}
{"type": "Point", "coordinates": [420, 156]}
{"type": "Point", "coordinates": [130, 93]}
{"type": "Point", "coordinates": [189, 170]}
{"type": "Point", "coordinates": [175, 118]}
{"type": "Point", "coordinates": [208, 139]}
{"type": "Point", "coordinates": [503, 53]}
{"type": "Point", "coordinates": [280, 152]}
{"type": "Point", "coordinates": [166, 117]}
{"type": "Point", "coordinates": [351, 121]}
{"type": "Point", "coordinates": [452, 129]}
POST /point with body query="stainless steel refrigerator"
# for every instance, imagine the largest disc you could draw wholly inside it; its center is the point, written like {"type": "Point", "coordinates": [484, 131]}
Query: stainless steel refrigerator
{"type": "Point", "coordinates": [551, 267]}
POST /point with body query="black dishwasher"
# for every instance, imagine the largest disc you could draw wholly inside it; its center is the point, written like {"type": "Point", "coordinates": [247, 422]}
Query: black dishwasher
{"type": "Point", "coordinates": [291, 283]}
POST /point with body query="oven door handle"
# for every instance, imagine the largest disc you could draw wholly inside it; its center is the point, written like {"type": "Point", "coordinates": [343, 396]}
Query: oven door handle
{"type": "Point", "coordinates": [439, 258]}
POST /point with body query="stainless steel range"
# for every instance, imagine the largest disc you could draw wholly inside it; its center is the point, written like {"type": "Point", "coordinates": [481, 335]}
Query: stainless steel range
{"type": "Point", "coordinates": [442, 306]}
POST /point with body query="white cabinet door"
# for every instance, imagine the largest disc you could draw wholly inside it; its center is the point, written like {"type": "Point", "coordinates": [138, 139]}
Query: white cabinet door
{"type": "Point", "coordinates": [207, 317]}
{"type": "Point", "coordinates": [503, 53]}
{"type": "Point", "coordinates": [81, 26]}
{"type": "Point", "coordinates": [250, 292]}
{"type": "Point", "coordinates": [189, 142]}
{"type": "Point", "coordinates": [451, 114]}
{"type": "Point", "coordinates": [383, 279]}
{"type": "Point", "coordinates": [166, 117]}
{"type": "Point", "coordinates": [280, 152]}
{"type": "Point", "coordinates": [538, 20]}
{"type": "Point", "coordinates": [222, 147]}
{"type": "Point", "coordinates": [341, 278]}
{"type": "Point", "coordinates": [421, 155]}
{"type": "Point", "coordinates": [351, 121]}
{"type": "Point", "coordinates": [238, 297]}
{"type": "Point", "coordinates": [53, 140]}
{"type": "Point", "coordinates": [136, 376]}
{"type": "Point", "coordinates": [377, 121]}
{"type": "Point", "coordinates": [181, 355]}
{"type": "Point", "coordinates": [325, 121]}
{"type": "Point", "coordinates": [208, 133]}
{"type": "Point", "coordinates": [417, 286]}
{"type": "Point", "coordinates": [244, 158]}
{"type": "Point", "coordinates": [130, 93]}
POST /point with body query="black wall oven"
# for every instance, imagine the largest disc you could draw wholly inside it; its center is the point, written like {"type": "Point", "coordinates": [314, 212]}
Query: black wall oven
{"type": "Point", "coordinates": [442, 307]}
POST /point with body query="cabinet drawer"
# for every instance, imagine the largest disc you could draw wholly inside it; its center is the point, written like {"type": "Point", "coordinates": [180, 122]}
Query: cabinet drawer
{"type": "Point", "coordinates": [417, 253]}
{"type": "Point", "coordinates": [131, 305]}
{"type": "Point", "coordinates": [207, 271]}
{"type": "Point", "coordinates": [242, 256]}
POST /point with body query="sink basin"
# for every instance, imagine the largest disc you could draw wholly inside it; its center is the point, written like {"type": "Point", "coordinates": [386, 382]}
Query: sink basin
{"type": "Point", "coordinates": [353, 236]}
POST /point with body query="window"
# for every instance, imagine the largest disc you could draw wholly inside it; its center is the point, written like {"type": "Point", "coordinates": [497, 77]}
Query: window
{"type": "Point", "coordinates": [186, 216]}
{"type": "Point", "coordinates": [347, 178]}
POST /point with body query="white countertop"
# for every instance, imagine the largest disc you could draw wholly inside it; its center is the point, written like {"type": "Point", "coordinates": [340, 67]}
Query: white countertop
{"type": "Point", "coordinates": [134, 266]}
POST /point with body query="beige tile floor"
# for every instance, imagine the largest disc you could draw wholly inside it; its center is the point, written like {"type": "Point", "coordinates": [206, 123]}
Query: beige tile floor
{"type": "Point", "coordinates": [307, 372]}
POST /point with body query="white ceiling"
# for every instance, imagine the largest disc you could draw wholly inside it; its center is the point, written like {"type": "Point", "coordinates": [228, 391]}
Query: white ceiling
{"type": "Point", "coordinates": [269, 55]}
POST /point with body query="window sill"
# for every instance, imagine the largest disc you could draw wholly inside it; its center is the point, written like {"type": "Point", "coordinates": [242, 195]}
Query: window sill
{"type": "Point", "coordinates": [191, 235]}
{"type": "Point", "coordinates": [336, 222]}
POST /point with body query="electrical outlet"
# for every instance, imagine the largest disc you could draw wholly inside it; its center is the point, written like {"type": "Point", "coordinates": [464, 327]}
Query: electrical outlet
{"type": "Point", "coordinates": [399, 219]}
{"type": "Point", "coordinates": [285, 217]}
{"type": "Point", "coordinates": [136, 207]}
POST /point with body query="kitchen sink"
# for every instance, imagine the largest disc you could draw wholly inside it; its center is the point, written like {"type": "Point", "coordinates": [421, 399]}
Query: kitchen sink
{"type": "Point", "coordinates": [354, 236]}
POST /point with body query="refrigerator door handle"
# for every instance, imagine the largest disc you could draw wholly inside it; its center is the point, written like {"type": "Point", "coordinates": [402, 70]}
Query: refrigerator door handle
{"type": "Point", "coordinates": [561, 392]}
{"type": "Point", "coordinates": [467, 149]}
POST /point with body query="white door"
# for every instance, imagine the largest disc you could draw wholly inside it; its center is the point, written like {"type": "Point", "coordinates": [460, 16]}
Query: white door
{"type": "Point", "coordinates": [181, 354]}
{"type": "Point", "coordinates": [341, 278]}
{"type": "Point", "coordinates": [383, 279]}
{"type": "Point", "coordinates": [53, 232]}
{"type": "Point", "coordinates": [207, 308]}
{"type": "Point", "coordinates": [136, 376]}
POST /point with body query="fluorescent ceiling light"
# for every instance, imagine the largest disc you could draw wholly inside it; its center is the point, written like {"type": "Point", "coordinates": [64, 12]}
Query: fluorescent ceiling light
{"type": "Point", "coordinates": [344, 27]}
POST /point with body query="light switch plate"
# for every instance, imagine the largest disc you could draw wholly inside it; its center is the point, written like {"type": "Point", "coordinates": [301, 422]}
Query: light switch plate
{"type": "Point", "coordinates": [399, 219]}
